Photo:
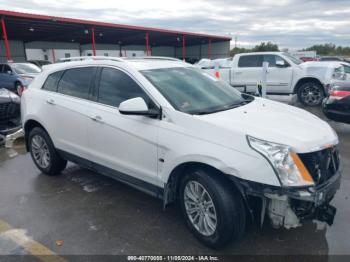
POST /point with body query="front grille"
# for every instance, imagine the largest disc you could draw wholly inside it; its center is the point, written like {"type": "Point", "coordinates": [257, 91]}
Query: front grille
{"type": "Point", "coordinates": [322, 165]}
{"type": "Point", "coordinates": [4, 110]}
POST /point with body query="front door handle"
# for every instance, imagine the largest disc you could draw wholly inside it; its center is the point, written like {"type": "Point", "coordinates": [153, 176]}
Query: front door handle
{"type": "Point", "coordinates": [51, 102]}
{"type": "Point", "coordinates": [97, 119]}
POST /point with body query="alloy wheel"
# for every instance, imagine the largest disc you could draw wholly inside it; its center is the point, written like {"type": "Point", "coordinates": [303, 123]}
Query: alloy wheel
{"type": "Point", "coordinates": [41, 152]}
{"type": "Point", "coordinates": [200, 208]}
{"type": "Point", "coordinates": [311, 95]}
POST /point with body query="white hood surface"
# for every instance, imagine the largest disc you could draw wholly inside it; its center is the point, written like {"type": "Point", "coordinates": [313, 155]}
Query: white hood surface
{"type": "Point", "coordinates": [277, 122]}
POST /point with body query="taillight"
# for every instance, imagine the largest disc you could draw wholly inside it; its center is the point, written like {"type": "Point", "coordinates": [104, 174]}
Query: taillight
{"type": "Point", "coordinates": [339, 93]}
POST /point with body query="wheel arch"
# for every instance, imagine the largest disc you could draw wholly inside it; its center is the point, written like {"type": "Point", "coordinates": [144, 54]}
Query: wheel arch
{"type": "Point", "coordinates": [28, 126]}
{"type": "Point", "coordinates": [171, 189]}
{"type": "Point", "coordinates": [305, 80]}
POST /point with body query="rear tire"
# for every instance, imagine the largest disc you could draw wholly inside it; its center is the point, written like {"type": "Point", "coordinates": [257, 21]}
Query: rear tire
{"type": "Point", "coordinates": [44, 154]}
{"type": "Point", "coordinates": [311, 93]}
{"type": "Point", "coordinates": [213, 210]}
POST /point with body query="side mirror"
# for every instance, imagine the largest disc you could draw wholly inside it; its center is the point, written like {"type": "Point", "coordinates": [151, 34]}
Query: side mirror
{"type": "Point", "coordinates": [9, 72]}
{"type": "Point", "coordinates": [281, 63]}
{"type": "Point", "coordinates": [137, 106]}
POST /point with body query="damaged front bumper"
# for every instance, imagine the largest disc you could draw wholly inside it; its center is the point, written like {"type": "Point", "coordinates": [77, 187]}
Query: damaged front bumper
{"type": "Point", "coordinates": [289, 207]}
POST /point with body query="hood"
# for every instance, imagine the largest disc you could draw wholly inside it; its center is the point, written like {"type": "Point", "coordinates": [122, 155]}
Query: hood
{"type": "Point", "coordinates": [6, 96]}
{"type": "Point", "coordinates": [276, 122]}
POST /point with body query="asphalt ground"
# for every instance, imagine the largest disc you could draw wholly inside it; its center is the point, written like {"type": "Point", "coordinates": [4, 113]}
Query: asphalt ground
{"type": "Point", "coordinates": [84, 213]}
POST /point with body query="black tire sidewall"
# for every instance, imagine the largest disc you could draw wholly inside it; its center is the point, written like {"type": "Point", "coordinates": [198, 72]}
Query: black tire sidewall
{"type": "Point", "coordinates": [226, 205]}
{"type": "Point", "coordinates": [302, 86]}
{"type": "Point", "coordinates": [56, 162]}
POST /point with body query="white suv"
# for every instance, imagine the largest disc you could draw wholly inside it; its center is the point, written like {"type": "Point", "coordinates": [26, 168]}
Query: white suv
{"type": "Point", "coordinates": [173, 131]}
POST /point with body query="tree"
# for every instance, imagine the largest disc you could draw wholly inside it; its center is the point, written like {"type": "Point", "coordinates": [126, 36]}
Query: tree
{"type": "Point", "coordinates": [329, 49]}
{"type": "Point", "coordinates": [266, 46]}
{"type": "Point", "coordinates": [262, 47]}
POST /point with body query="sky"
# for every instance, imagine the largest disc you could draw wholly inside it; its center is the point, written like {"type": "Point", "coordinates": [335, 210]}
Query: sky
{"type": "Point", "coordinates": [293, 24]}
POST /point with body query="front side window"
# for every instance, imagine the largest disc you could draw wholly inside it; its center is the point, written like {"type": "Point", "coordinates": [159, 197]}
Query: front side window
{"type": "Point", "coordinates": [192, 91]}
{"type": "Point", "coordinates": [272, 59]}
{"type": "Point", "coordinates": [116, 86]}
{"type": "Point", "coordinates": [76, 82]}
{"type": "Point", "coordinates": [292, 58]}
{"type": "Point", "coordinates": [52, 80]}
{"type": "Point", "coordinates": [251, 61]}
{"type": "Point", "coordinates": [346, 69]}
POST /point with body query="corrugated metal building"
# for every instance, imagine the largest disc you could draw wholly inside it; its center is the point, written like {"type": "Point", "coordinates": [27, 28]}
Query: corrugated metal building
{"type": "Point", "coordinates": [50, 38]}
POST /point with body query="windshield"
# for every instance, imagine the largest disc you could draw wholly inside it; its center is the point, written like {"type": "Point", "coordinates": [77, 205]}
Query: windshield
{"type": "Point", "coordinates": [192, 91]}
{"type": "Point", "coordinates": [25, 68]}
{"type": "Point", "coordinates": [292, 58]}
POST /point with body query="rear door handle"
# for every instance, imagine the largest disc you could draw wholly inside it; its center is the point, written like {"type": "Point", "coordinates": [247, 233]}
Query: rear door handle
{"type": "Point", "coordinates": [97, 119]}
{"type": "Point", "coordinates": [51, 102]}
{"type": "Point", "coordinates": [238, 72]}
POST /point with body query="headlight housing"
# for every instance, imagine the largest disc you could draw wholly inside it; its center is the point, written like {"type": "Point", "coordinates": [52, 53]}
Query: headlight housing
{"type": "Point", "coordinates": [287, 165]}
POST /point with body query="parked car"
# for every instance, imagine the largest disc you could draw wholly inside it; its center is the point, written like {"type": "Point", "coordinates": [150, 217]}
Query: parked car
{"type": "Point", "coordinates": [39, 63]}
{"type": "Point", "coordinates": [308, 59]}
{"type": "Point", "coordinates": [16, 76]}
{"type": "Point", "coordinates": [10, 115]}
{"type": "Point", "coordinates": [171, 130]}
{"type": "Point", "coordinates": [286, 74]}
{"type": "Point", "coordinates": [337, 105]}
{"type": "Point", "coordinates": [330, 58]}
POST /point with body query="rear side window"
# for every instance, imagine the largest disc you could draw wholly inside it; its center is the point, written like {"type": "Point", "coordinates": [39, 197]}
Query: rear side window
{"type": "Point", "coordinates": [51, 81]}
{"type": "Point", "coordinates": [76, 82]}
{"type": "Point", "coordinates": [7, 69]}
{"type": "Point", "coordinates": [250, 61]}
{"type": "Point", "coordinates": [116, 87]}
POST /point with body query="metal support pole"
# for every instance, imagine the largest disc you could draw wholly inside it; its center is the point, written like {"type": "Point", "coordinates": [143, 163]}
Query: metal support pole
{"type": "Point", "coordinates": [7, 46]}
{"type": "Point", "coordinates": [147, 44]}
{"type": "Point", "coordinates": [183, 47]}
{"type": "Point", "coordinates": [93, 41]}
{"type": "Point", "coordinates": [53, 56]}
{"type": "Point", "coordinates": [261, 90]}
{"type": "Point", "coordinates": [209, 49]}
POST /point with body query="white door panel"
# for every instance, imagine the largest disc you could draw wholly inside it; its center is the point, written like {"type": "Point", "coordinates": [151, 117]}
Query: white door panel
{"type": "Point", "coordinates": [247, 77]}
{"type": "Point", "coordinates": [127, 144]}
{"type": "Point", "coordinates": [71, 120]}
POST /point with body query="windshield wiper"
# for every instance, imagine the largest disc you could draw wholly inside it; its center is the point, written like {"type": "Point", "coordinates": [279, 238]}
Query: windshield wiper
{"type": "Point", "coordinates": [235, 105]}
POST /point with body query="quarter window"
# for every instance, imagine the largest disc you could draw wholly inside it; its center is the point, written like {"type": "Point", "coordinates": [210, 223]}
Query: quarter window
{"type": "Point", "coordinates": [51, 81]}
{"type": "Point", "coordinates": [116, 87]}
{"type": "Point", "coordinates": [250, 61]}
{"type": "Point", "coordinates": [76, 82]}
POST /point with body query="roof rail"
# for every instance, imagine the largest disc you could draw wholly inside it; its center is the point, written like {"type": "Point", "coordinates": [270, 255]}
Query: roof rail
{"type": "Point", "coordinates": [153, 58]}
{"type": "Point", "coordinates": [81, 58]}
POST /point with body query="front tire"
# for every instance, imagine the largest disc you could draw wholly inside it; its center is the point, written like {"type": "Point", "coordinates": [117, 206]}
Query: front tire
{"type": "Point", "coordinates": [213, 210]}
{"type": "Point", "coordinates": [311, 93]}
{"type": "Point", "coordinates": [44, 154]}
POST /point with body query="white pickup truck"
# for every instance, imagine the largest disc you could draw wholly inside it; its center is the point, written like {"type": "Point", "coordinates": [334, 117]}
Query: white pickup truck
{"type": "Point", "coordinates": [286, 74]}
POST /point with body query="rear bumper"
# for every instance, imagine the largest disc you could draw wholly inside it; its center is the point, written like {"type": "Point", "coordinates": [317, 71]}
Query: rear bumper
{"type": "Point", "coordinates": [337, 110]}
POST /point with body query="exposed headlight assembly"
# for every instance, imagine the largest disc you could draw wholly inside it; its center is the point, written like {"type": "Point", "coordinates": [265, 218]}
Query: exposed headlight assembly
{"type": "Point", "coordinates": [288, 166]}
